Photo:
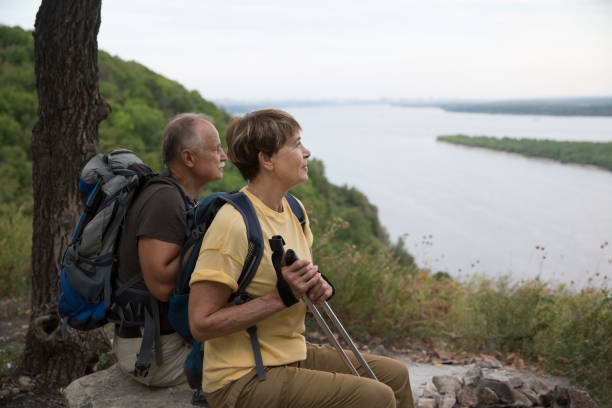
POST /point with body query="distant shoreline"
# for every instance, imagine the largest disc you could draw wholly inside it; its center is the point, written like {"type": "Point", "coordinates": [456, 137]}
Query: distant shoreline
{"type": "Point", "coordinates": [598, 107]}
{"type": "Point", "coordinates": [598, 154]}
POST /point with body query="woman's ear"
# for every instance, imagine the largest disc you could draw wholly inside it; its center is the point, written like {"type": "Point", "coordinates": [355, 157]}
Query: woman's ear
{"type": "Point", "coordinates": [265, 161]}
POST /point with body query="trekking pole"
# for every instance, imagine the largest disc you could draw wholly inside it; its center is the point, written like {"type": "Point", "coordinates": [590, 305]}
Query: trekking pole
{"type": "Point", "coordinates": [290, 257]}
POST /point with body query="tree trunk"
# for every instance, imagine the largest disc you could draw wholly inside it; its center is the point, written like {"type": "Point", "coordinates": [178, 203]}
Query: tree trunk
{"type": "Point", "coordinates": [69, 110]}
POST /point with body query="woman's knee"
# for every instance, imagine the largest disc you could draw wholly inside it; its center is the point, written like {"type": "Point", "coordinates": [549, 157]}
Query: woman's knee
{"type": "Point", "coordinates": [377, 394]}
{"type": "Point", "coordinates": [395, 374]}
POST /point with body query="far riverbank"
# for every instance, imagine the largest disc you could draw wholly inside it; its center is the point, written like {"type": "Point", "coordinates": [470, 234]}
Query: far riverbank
{"type": "Point", "coordinates": [598, 154]}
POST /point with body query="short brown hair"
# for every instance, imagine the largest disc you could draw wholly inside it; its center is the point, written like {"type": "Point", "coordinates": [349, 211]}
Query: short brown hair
{"type": "Point", "coordinates": [180, 134]}
{"type": "Point", "coordinates": [264, 131]}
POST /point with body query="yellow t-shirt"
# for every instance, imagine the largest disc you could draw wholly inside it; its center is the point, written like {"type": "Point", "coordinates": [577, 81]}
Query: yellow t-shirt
{"type": "Point", "coordinates": [223, 252]}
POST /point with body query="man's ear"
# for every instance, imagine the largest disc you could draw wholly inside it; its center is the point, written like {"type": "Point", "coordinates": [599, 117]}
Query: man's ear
{"type": "Point", "coordinates": [188, 158]}
{"type": "Point", "coordinates": [265, 161]}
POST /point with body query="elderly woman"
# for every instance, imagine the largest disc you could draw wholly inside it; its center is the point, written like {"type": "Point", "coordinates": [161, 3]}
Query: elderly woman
{"type": "Point", "coordinates": [267, 148]}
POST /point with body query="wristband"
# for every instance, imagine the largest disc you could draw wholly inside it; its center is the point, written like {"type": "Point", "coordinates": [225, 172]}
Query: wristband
{"type": "Point", "coordinates": [285, 292]}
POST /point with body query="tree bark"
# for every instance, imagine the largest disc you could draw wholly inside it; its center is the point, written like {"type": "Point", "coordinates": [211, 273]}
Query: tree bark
{"type": "Point", "coordinates": [70, 108]}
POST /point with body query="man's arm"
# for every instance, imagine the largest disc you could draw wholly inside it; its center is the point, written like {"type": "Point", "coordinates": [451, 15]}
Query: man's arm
{"type": "Point", "coordinates": [159, 265]}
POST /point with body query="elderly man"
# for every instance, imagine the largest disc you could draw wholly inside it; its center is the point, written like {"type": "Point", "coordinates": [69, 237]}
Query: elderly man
{"type": "Point", "coordinates": [153, 235]}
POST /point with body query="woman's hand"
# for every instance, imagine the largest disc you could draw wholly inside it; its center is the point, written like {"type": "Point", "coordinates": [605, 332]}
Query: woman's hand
{"type": "Point", "coordinates": [304, 278]}
{"type": "Point", "coordinates": [320, 292]}
{"type": "Point", "coordinates": [301, 276]}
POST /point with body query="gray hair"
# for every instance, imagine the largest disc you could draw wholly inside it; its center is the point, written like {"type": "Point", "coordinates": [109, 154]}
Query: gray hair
{"type": "Point", "coordinates": [180, 134]}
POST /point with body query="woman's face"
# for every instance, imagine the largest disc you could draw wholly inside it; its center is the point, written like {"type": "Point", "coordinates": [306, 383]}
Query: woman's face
{"type": "Point", "coordinates": [291, 162]}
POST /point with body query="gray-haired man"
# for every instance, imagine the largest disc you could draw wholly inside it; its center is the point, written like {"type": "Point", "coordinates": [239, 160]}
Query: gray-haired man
{"type": "Point", "coordinates": [154, 233]}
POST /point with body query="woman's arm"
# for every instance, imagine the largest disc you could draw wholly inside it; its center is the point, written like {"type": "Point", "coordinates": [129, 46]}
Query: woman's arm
{"type": "Point", "coordinates": [209, 318]}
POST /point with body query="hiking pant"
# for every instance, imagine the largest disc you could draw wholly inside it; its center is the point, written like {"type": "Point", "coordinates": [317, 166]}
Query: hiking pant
{"type": "Point", "coordinates": [322, 380]}
{"type": "Point", "coordinates": [170, 373]}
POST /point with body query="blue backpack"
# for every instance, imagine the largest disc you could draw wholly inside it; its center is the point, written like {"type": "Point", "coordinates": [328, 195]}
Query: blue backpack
{"type": "Point", "coordinates": [203, 216]}
{"type": "Point", "coordinates": [90, 293]}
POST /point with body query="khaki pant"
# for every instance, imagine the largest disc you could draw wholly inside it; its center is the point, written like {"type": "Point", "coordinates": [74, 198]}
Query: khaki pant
{"type": "Point", "coordinates": [322, 380]}
{"type": "Point", "coordinates": [170, 373]}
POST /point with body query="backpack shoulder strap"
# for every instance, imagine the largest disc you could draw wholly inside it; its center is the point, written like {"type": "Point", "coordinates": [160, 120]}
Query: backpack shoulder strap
{"type": "Point", "coordinates": [255, 251]}
{"type": "Point", "coordinates": [165, 178]}
{"type": "Point", "coordinates": [296, 208]}
{"type": "Point", "coordinates": [254, 237]}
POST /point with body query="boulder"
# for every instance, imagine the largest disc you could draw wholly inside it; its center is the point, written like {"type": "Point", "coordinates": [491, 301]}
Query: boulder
{"type": "Point", "coordinates": [580, 399]}
{"type": "Point", "coordinates": [516, 382]}
{"type": "Point", "coordinates": [473, 375]}
{"type": "Point", "coordinates": [486, 396]}
{"type": "Point", "coordinates": [502, 389]}
{"type": "Point", "coordinates": [447, 384]}
{"type": "Point", "coordinates": [468, 397]}
{"type": "Point", "coordinates": [430, 391]}
{"type": "Point", "coordinates": [426, 403]}
{"type": "Point", "coordinates": [448, 401]}
{"type": "Point", "coordinates": [521, 399]}
{"type": "Point", "coordinates": [529, 393]}
{"type": "Point", "coordinates": [110, 388]}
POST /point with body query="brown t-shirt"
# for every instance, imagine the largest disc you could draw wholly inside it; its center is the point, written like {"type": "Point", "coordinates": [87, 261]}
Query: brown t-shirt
{"type": "Point", "coordinates": [158, 212]}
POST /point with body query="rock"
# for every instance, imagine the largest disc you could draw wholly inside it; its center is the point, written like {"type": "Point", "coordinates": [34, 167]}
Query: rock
{"type": "Point", "coordinates": [529, 393]}
{"type": "Point", "coordinates": [473, 375]}
{"type": "Point", "coordinates": [560, 396]}
{"type": "Point", "coordinates": [516, 382]}
{"type": "Point", "coordinates": [25, 383]}
{"type": "Point", "coordinates": [426, 403]}
{"type": "Point", "coordinates": [580, 399]}
{"type": "Point", "coordinates": [380, 350]}
{"type": "Point", "coordinates": [490, 361]}
{"type": "Point", "coordinates": [112, 389]}
{"type": "Point", "coordinates": [446, 357]}
{"type": "Point", "coordinates": [521, 399]}
{"type": "Point", "coordinates": [430, 391]}
{"type": "Point", "coordinates": [537, 385]}
{"type": "Point", "coordinates": [486, 396]}
{"type": "Point", "coordinates": [502, 389]}
{"type": "Point", "coordinates": [447, 384]}
{"type": "Point", "coordinates": [448, 401]}
{"type": "Point", "coordinates": [467, 397]}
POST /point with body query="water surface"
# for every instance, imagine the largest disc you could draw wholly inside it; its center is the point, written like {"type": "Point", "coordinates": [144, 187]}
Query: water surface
{"type": "Point", "coordinates": [465, 210]}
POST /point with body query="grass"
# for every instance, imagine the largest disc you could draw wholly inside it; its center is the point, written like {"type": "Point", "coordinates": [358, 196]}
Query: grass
{"type": "Point", "coordinates": [566, 331]}
{"type": "Point", "coordinates": [15, 251]}
{"type": "Point", "coordinates": [9, 356]}
{"type": "Point", "coordinates": [377, 295]}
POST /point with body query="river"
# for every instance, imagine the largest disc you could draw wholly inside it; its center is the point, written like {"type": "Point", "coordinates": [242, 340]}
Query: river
{"type": "Point", "coordinates": [472, 211]}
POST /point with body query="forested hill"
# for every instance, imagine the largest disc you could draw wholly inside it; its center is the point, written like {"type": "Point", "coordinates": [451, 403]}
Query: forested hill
{"type": "Point", "coordinates": [142, 102]}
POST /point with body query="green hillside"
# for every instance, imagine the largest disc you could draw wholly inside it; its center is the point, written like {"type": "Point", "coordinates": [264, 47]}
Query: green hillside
{"type": "Point", "coordinates": [142, 102]}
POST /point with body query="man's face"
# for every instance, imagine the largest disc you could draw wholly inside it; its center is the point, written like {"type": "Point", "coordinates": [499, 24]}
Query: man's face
{"type": "Point", "coordinates": [209, 161]}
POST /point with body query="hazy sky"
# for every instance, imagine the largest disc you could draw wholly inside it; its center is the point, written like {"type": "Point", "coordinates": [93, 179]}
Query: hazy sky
{"type": "Point", "coordinates": [316, 49]}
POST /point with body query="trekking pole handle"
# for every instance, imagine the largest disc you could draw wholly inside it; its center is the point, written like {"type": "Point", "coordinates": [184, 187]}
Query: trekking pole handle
{"type": "Point", "coordinates": [291, 257]}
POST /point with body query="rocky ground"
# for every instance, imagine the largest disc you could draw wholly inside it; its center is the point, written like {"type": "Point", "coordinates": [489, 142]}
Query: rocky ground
{"type": "Point", "coordinates": [439, 379]}
{"type": "Point", "coordinates": [22, 391]}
